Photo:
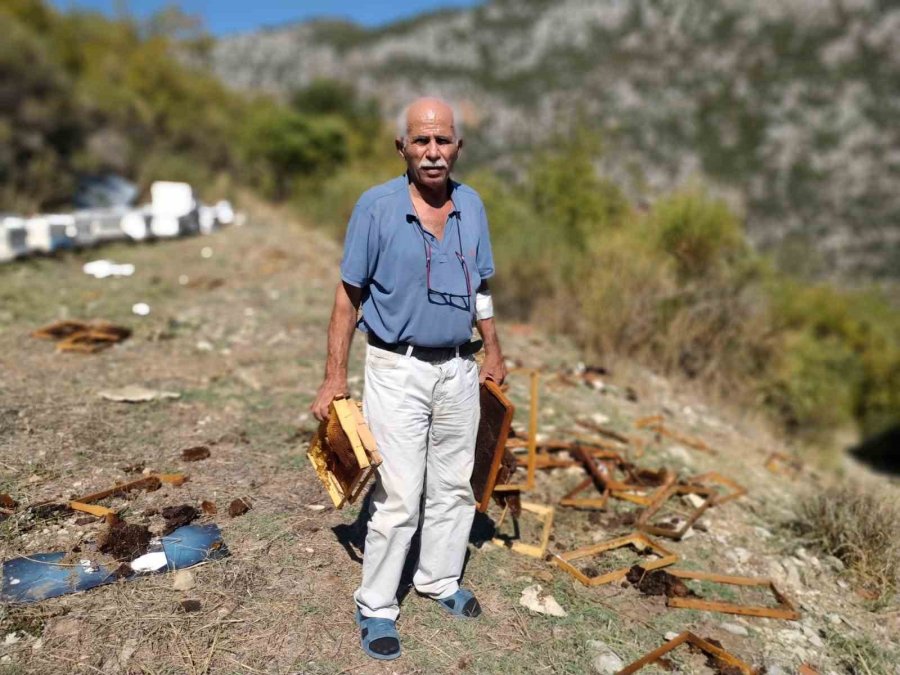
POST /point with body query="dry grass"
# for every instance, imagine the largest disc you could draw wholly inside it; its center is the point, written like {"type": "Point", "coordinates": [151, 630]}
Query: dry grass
{"type": "Point", "coordinates": [859, 527]}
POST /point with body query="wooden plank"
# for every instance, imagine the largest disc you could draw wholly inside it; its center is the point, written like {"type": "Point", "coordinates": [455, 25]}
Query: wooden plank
{"type": "Point", "coordinates": [497, 436]}
{"type": "Point", "coordinates": [148, 483]}
{"type": "Point", "coordinates": [176, 479]}
{"type": "Point", "coordinates": [715, 478]}
{"type": "Point", "coordinates": [531, 457]}
{"type": "Point", "coordinates": [345, 409]}
{"type": "Point", "coordinates": [93, 509]}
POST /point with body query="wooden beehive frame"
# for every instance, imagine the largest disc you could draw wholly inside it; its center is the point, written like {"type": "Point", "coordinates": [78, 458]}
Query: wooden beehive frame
{"type": "Point", "coordinates": [500, 447]}
{"type": "Point", "coordinates": [656, 424]}
{"type": "Point", "coordinates": [659, 501]}
{"type": "Point", "coordinates": [779, 463]}
{"type": "Point", "coordinates": [351, 421]}
{"type": "Point", "coordinates": [531, 459]}
{"type": "Point", "coordinates": [571, 500]}
{"type": "Point", "coordinates": [715, 478]}
{"type": "Point", "coordinates": [698, 642]}
{"type": "Point", "coordinates": [637, 539]}
{"type": "Point", "coordinates": [785, 609]}
{"type": "Point", "coordinates": [545, 515]}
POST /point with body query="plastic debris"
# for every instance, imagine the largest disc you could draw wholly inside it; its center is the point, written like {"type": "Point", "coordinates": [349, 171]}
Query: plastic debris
{"type": "Point", "coordinates": [135, 393]}
{"type": "Point", "coordinates": [140, 308]}
{"type": "Point", "coordinates": [101, 269]}
{"type": "Point", "coordinates": [45, 575]}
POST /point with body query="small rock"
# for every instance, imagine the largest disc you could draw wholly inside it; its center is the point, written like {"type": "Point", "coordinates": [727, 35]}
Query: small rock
{"type": "Point", "coordinates": [315, 507]}
{"type": "Point", "coordinates": [606, 662]}
{"type": "Point", "coordinates": [534, 599]}
{"type": "Point", "coordinates": [37, 644]}
{"type": "Point", "coordinates": [835, 619]}
{"type": "Point", "coordinates": [694, 500]}
{"type": "Point", "coordinates": [544, 575]}
{"type": "Point", "coordinates": [128, 650]}
{"type": "Point", "coordinates": [776, 670]}
{"type": "Point", "coordinates": [763, 533]}
{"type": "Point", "coordinates": [735, 629]}
{"type": "Point", "coordinates": [671, 635]}
{"type": "Point", "coordinates": [836, 563]}
{"type": "Point", "coordinates": [681, 454]}
{"type": "Point", "coordinates": [599, 418]}
{"type": "Point", "coordinates": [11, 639]}
{"type": "Point", "coordinates": [183, 580]}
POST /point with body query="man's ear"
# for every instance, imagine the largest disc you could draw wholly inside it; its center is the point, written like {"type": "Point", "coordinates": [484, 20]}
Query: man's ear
{"type": "Point", "coordinates": [459, 145]}
{"type": "Point", "coordinates": [399, 144]}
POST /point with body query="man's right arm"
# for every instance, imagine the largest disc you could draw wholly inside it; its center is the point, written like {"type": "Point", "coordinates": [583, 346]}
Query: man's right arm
{"type": "Point", "coordinates": [340, 334]}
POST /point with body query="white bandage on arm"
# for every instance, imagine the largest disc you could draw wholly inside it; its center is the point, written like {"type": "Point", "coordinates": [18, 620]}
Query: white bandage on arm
{"type": "Point", "coordinates": [484, 306]}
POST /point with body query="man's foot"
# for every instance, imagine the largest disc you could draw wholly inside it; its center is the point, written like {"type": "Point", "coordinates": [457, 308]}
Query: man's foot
{"type": "Point", "coordinates": [462, 603]}
{"type": "Point", "coordinates": [378, 637]}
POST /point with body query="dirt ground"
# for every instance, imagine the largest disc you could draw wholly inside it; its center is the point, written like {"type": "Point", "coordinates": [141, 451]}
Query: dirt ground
{"type": "Point", "coordinates": [237, 328]}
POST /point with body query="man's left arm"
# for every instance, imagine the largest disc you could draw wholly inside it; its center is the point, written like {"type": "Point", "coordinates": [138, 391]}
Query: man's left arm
{"type": "Point", "coordinates": [494, 366]}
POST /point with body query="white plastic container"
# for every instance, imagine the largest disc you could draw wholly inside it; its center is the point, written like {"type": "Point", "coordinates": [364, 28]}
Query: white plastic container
{"type": "Point", "coordinates": [13, 238]}
{"type": "Point", "coordinates": [46, 234]}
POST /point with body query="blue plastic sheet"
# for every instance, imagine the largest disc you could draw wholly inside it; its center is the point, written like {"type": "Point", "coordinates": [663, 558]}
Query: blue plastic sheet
{"type": "Point", "coordinates": [41, 576]}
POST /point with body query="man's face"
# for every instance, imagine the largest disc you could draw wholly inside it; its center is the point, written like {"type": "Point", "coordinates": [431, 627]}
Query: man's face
{"type": "Point", "coordinates": [431, 146]}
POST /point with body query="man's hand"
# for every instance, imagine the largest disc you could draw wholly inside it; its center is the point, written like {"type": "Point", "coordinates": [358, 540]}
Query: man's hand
{"type": "Point", "coordinates": [340, 333]}
{"type": "Point", "coordinates": [493, 368]}
{"type": "Point", "coordinates": [329, 389]}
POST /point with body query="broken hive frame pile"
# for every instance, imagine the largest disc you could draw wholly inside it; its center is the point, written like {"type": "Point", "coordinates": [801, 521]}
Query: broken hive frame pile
{"type": "Point", "coordinates": [610, 478]}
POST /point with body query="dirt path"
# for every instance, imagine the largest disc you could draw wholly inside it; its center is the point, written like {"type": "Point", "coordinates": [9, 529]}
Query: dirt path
{"type": "Point", "coordinates": [238, 330]}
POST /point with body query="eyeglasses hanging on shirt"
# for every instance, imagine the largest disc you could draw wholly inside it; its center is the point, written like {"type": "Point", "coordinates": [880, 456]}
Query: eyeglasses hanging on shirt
{"type": "Point", "coordinates": [440, 296]}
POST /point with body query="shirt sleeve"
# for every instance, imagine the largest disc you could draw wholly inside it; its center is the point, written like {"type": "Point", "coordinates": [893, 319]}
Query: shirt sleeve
{"type": "Point", "coordinates": [484, 257]}
{"type": "Point", "coordinates": [360, 248]}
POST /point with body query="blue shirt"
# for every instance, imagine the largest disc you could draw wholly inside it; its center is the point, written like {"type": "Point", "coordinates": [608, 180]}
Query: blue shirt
{"type": "Point", "coordinates": [386, 254]}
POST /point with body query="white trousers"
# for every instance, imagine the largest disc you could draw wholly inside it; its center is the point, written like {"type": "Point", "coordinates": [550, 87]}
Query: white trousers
{"type": "Point", "coordinates": [424, 417]}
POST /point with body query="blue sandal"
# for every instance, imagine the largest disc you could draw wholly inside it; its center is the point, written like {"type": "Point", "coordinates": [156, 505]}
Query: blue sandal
{"type": "Point", "coordinates": [378, 637]}
{"type": "Point", "coordinates": [462, 604]}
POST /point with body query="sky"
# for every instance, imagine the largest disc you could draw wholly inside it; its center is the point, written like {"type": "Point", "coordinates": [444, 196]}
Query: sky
{"type": "Point", "coordinates": [222, 17]}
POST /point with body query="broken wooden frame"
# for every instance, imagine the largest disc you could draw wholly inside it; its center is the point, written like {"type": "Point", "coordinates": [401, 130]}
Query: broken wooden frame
{"type": "Point", "coordinates": [343, 452]}
{"type": "Point", "coordinates": [531, 458]}
{"type": "Point", "coordinates": [656, 424]}
{"type": "Point", "coordinates": [637, 539]}
{"type": "Point", "coordinates": [714, 478]}
{"type": "Point", "coordinates": [785, 609]}
{"type": "Point", "coordinates": [724, 657]}
{"type": "Point", "coordinates": [570, 499]}
{"type": "Point", "coordinates": [644, 520]}
{"type": "Point", "coordinates": [490, 444]}
{"type": "Point", "coordinates": [545, 516]}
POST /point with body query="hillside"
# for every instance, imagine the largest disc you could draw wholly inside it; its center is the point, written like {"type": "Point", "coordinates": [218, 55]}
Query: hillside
{"type": "Point", "coordinates": [789, 108]}
{"type": "Point", "coordinates": [239, 333]}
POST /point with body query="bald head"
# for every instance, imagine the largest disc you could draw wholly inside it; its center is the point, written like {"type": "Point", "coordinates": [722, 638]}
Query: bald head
{"type": "Point", "coordinates": [429, 140]}
{"type": "Point", "coordinates": [428, 110]}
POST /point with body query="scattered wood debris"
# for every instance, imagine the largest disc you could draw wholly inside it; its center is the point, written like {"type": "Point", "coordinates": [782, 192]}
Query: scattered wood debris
{"type": "Point", "coordinates": [239, 507]}
{"type": "Point", "coordinates": [82, 336]}
{"type": "Point", "coordinates": [195, 454]}
{"type": "Point", "coordinates": [779, 463]}
{"type": "Point", "coordinates": [491, 453]}
{"type": "Point", "coordinates": [176, 516]}
{"type": "Point", "coordinates": [209, 508]}
{"type": "Point", "coordinates": [124, 542]}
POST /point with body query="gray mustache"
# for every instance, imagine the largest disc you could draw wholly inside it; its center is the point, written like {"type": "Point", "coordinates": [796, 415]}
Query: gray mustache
{"type": "Point", "coordinates": [440, 164]}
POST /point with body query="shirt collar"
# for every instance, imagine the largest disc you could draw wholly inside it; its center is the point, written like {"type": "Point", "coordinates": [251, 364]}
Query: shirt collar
{"type": "Point", "coordinates": [411, 214]}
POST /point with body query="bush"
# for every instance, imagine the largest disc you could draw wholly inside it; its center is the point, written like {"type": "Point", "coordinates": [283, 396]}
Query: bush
{"type": "Point", "coordinates": [860, 528]}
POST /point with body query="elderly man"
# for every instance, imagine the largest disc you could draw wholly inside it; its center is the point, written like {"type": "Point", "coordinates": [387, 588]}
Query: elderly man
{"type": "Point", "coordinates": [417, 257]}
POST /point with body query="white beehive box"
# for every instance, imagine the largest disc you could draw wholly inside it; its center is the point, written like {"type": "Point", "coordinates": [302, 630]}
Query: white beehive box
{"type": "Point", "coordinates": [13, 238]}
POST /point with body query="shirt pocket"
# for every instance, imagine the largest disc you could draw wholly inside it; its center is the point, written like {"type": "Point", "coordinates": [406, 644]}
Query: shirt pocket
{"type": "Point", "coordinates": [381, 359]}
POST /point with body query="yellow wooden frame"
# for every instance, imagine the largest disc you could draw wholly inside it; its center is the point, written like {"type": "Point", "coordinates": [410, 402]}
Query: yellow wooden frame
{"type": "Point", "coordinates": [531, 462]}
{"type": "Point", "coordinates": [637, 539]}
{"type": "Point", "coordinates": [545, 515]}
